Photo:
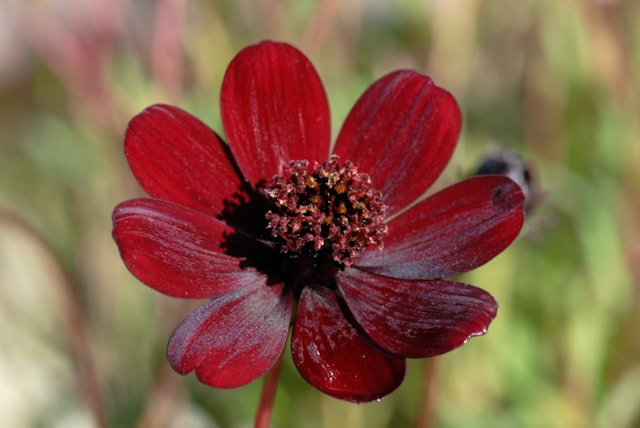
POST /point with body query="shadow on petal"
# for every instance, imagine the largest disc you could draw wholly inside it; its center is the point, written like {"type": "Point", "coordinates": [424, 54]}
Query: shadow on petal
{"type": "Point", "coordinates": [274, 110]}
{"type": "Point", "coordinates": [337, 358]}
{"type": "Point", "coordinates": [453, 231]}
{"type": "Point", "coordinates": [416, 319]}
{"type": "Point", "coordinates": [179, 251]}
{"type": "Point", "coordinates": [402, 132]}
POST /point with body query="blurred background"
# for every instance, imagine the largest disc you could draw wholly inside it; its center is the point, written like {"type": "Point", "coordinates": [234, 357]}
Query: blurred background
{"type": "Point", "coordinates": [556, 82]}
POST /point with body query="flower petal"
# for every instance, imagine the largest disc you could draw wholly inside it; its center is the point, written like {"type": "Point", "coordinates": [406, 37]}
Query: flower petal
{"type": "Point", "coordinates": [402, 132]}
{"type": "Point", "coordinates": [337, 358]}
{"type": "Point", "coordinates": [416, 319]}
{"type": "Point", "coordinates": [233, 339]}
{"type": "Point", "coordinates": [178, 251]}
{"type": "Point", "coordinates": [274, 110]}
{"type": "Point", "coordinates": [452, 231]}
{"type": "Point", "coordinates": [176, 157]}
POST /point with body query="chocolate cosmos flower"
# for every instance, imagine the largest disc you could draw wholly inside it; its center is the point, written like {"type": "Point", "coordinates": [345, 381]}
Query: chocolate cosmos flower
{"type": "Point", "coordinates": [279, 230]}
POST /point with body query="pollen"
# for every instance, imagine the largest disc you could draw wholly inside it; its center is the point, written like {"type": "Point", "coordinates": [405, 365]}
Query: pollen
{"type": "Point", "coordinates": [325, 210]}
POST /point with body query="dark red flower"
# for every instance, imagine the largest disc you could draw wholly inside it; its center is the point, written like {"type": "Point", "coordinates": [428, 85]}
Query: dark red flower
{"type": "Point", "coordinates": [278, 229]}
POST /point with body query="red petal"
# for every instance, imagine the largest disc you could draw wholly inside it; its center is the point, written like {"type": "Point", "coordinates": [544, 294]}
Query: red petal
{"type": "Point", "coordinates": [274, 110]}
{"type": "Point", "coordinates": [335, 357]}
{"type": "Point", "coordinates": [177, 251]}
{"type": "Point", "coordinates": [416, 319]}
{"type": "Point", "coordinates": [453, 231]}
{"type": "Point", "coordinates": [176, 157]}
{"type": "Point", "coordinates": [233, 339]}
{"type": "Point", "coordinates": [402, 132]}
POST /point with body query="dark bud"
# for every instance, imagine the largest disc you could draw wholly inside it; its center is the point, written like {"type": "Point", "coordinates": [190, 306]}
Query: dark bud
{"type": "Point", "coordinates": [508, 163]}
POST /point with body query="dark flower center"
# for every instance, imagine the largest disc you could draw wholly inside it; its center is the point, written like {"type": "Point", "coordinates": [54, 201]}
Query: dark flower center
{"type": "Point", "coordinates": [324, 211]}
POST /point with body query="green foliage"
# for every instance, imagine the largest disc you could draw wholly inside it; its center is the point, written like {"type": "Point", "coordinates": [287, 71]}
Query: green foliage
{"type": "Point", "coordinates": [558, 82]}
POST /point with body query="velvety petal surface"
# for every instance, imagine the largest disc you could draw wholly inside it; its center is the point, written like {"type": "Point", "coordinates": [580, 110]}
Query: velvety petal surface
{"type": "Point", "coordinates": [452, 231]}
{"type": "Point", "coordinates": [233, 339]}
{"type": "Point", "coordinates": [274, 110]}
{"type": "Point", "coordinates": [178, 251]}
{"type": "Point", "coordinates": [416, 319]}
{"type": "Point", "coordinates": [402, 132]}
{"type": "Point", "coordinates": [176, 157]}
{"type": "Point", "coordinates": [335, 357]}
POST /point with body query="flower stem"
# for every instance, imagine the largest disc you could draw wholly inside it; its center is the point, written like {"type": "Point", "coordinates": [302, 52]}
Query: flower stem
{"type": "Point", "coordinates": [267, 399]}
{"type": "Point", "coordinates": [427, 408]}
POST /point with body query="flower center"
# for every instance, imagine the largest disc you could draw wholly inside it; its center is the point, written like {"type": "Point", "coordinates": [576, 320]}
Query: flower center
{"type": "Point", "coordinates": [325, 211]}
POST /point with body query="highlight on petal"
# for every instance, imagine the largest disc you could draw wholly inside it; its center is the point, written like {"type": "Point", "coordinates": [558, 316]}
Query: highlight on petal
{"type": "Point", "coordinates": [453, 231]}
{"type": "Point", "coordinates": [402, 132]}
{"type": "Point", "coordinates": [176, 157]}
{"type": "Point", "coordinates": [416, 319]}
{"type": "Point", "coordinates": [274, 110]}
{"type": "Point", "coordinates": [233, 339]}
{"type": "Point", "coordinates": [176, 250]}
{"type": "Point", "coordinates": [337, 358]}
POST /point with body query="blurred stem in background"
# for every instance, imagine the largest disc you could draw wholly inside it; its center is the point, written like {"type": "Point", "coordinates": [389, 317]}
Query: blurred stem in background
{"type": "Point", "coordinates": [75, 319]}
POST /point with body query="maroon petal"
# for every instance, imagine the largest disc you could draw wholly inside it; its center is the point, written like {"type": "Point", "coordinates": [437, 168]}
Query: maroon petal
{"type": "Point", "coordinates": [233, 339]}
{"type": "Point", "coordinates": [453, 231]}
{"type": "Point", "coordinates": [416, 319]}
{"type": "Point", "coordinates": [337, 358]}
{"type": "Point", "coordinates": [274, 110]}
{"type": "Point", "coordinates": [402, 132]}
{"type": "Point", "coordinates": [176, 250]}
{"type": "Point", "coordinates": [176, 157]}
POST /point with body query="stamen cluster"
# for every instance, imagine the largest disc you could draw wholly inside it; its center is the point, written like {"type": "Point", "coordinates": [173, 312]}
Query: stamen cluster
{"type": "Point", "coordinates": [328, 210]}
